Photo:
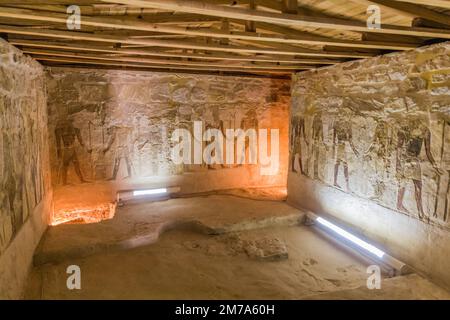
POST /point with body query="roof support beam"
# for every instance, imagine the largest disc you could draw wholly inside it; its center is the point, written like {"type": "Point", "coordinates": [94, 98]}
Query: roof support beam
{"type": "Point", "coordinates": [290, 6]}
{"type": "Point", "coordinates": [176, 44]}
{"type": "Point", "coordinates": [435, 3]}
{"type": "Point", "coordinates": [144, 66]}
{"type": "Point", "coordinates": [200, 7]}
{"type": "Point", "coordinates": [146, 52]}
{"type": "Point", "coordinates": [409, 9]}
{"type": "Point", "coordinates": [137, 25]}
{"type": "Point", "coordinates": [161, 61]}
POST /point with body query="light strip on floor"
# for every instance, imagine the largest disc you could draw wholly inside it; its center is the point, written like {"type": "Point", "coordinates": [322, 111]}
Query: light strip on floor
{"type": "Point", "coordinates": [149, 192]}
{"type": "Point", "coordinates": [361, 243]}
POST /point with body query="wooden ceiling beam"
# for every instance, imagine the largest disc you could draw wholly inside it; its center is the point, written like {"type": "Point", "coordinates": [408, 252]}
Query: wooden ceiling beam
{"type": "Point", "coordinates": [409, 10]}
{"type": "Point", "coordinates": [434, 3]}
{"type": "Point", "coordinates": [127, 24]}
{"type": "Point", "coordinates": [200, 7]}
{"type": "Point", "coordinates": [53, 2]}
{"type": "Point", "coordinates": [146, 52]}
{"type": "Point", "coordinates": [151, 66]}
{"type": "Point", "coordinates": [175, 44]}
{"type": "Point", "coordinates": [289, 6]}
{"type": "Point", "coordinates": [421, 22]}
{"type": "Point", "coordinates": [54, 53]}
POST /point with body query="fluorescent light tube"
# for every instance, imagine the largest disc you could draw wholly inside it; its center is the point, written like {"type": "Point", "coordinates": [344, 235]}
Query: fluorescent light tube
{"type": "Point", "coordinates": [149, 192]}
{"type": "Point", "coordinates": [351, 237]}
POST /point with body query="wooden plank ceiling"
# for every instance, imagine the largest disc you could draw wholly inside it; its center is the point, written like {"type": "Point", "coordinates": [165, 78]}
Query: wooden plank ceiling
{"type": "Point", "coordinates": [258, 37]}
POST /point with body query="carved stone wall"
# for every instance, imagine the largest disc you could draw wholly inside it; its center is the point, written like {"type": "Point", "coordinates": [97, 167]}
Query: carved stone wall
{"type": "Point", "coordinates": [377, 131]}
{"type": "Point", "coordinates": [114, 127]}
{"type": "Point", "coordinates": [24, 165]}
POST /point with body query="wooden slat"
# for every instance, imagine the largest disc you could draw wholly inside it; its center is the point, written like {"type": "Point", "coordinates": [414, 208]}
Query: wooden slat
{"type": "Point", "coordinates": [435, 3]}
{"type": "Point", "coordinates": [176, 44]}
{"type": "Point", "coordinates": [200, 7]}
{"type": "Point", "coordinates": [51, 2]}
{"type": "Point", "coordinates": [409, 9]}
{"type": "Point", "coordinates": [289, 6]}
{"type": "Point", "coordinates": [421, 22]}
{"type": "Point", "coordinates": [164, 61]}
{"type": "Point", "coordinates": [137, 25]}
{"type": "Point", "coordinates": [142, 65]}
{"type": "Point", "coordinates": [146, 52]}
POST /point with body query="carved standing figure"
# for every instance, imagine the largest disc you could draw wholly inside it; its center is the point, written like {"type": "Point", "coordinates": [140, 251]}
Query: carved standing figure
{"type": "Point", "coordinates": [297, 131]}
{"type": "Point", "coordinates": [342, 135]}
{"type": "Point", "coordinates": [66, 133]}
{"type": "Point", "coordinates": [120, 136]}
{"type": "Point", "coordinates": [214, 122]}
{"type": "Point", "coordinates": [411, 137]}
{"type": "Point", "coordinates": [380, 148]}
{"type": "Point", "coordinates": [249, 122]}
{"type": "Point", "coordinates": [318, 142]}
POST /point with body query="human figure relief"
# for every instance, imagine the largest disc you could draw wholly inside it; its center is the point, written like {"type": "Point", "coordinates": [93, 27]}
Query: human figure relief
{"type": "Point", "coordinates": [411, 137]}
{"type": "Point", "coordinates": [342, 134]}
{"type": "Point", "coordinates": [298, 130]}
{"type": "Point", "coordinates": [66, 133]}
{"type": "Point", "coordinates": [380, 148]}
{"type": "Point", "coordinates": [249, 122]}
{"type": "Point", "coordinates": [318, 142]}
{"type": "Point", "coordinates": [216, 123]}
{"type": "Point", "coordinates": [445, 164]}
{"type": "Point", "coordinates": [121, 137]}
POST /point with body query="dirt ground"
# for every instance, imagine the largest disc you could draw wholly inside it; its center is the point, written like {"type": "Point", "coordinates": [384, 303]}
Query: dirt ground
{"type": "Point", "coordinates": [232, 246]}
{"type": "Point", "coordinates": [185, 264]}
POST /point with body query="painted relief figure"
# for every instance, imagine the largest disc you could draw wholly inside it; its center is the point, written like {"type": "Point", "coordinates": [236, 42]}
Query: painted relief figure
{"type": "Point", "coordinates": [411, 137]}
{"type": "Point", "coordinates": [120, 136]}
{"type": "Point", "coordinates": [445, 161]}
{"type": "Point", "coordinates": [249, 122]}
{"type": "Point", "coordinates": [446, 202]}
{"type": "Point", "coordinates": [216, 123]}
{"type": "Point", "coordinates": [66, 133]}
{"type": "Point", "coordinates": [13, 186]}
{"type": "Point", "coordinates": [379, 152]}
{"type": "Point", "coordinates": [342, 135]}
{"type": "Point", "coordinates": [318, 142]}
{"type": "Point", "coordinates": [298, 130]}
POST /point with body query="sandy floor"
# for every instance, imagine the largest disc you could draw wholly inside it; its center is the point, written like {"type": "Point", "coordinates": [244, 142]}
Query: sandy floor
{"type": "Point", "coordinates": [185, 249]}
{"type": "Point", "coordinates": [140, 224]}
{"type": "Point", "coordinates": [187, 265]}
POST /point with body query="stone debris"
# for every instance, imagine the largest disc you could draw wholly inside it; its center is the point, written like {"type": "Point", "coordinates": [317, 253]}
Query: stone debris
{"type": "Point", "coordinates": [268, 249]}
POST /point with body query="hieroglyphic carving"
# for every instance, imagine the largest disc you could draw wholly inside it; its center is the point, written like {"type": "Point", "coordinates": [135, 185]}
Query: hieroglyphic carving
{"type": "Point", "coordinates": [411, 138]}
{"type": "Point", "coordinates": [378, 153]}
{"type": "Point", "coordinates": [23, 140]}
{"type": "Point", "coordinates": [318, 143]}
{"type": "Point", "coordinates": [342, 135]}
{"type": "Point", "coordinates": [66, 136]}
{"type": "Point", "coordinates": [297, 132]}
{"type": "Point", "coordinates": [126, 132]}
{"type": "Point", "coordinates": [385, 124]}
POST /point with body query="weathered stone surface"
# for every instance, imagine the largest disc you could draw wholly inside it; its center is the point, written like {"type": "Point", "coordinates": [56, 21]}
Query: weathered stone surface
{"type": "Point", "coordinates": [267, 249]}
{"type": "Point", "coordinates": [370, 144]}
{"type": "Point", "coordinates": [371, 126]}
{"type": "Point", "coordinates": [115, 127]}
{"type": "Point", "coordinates": [23, 141]}
{"type": "Point", "coordinates": [25, 194]}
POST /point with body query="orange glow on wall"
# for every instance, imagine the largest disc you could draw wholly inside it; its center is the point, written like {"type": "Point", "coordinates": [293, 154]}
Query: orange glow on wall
{"type": "Point", "coordinates": [86, 215]}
